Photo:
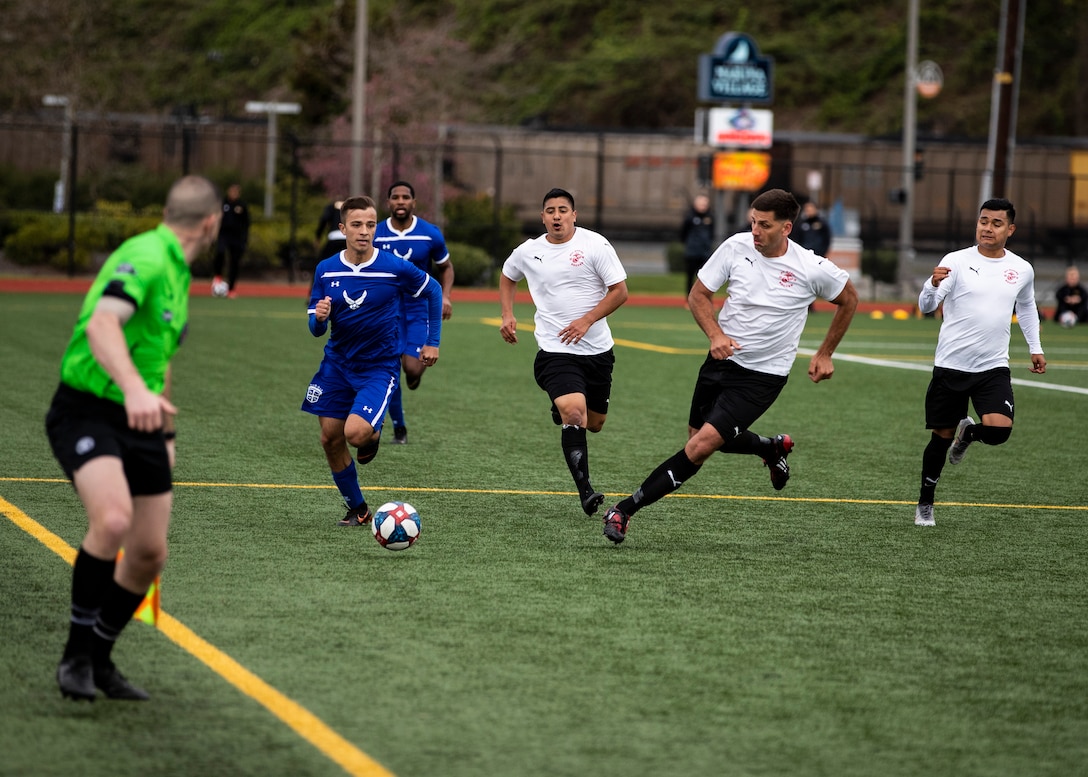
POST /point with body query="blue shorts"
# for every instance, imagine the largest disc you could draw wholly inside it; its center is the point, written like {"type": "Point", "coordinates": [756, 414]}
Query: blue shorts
{"type": "Point", "coordinates": [336, 392]}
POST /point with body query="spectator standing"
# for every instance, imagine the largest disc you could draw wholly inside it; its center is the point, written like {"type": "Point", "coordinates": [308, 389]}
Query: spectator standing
{"type": "Point", "coordinates": [232, 242]}
{"type": "Point", "coordinates": [697, 234]}
{"type": "Point", "coordinates": [329, 237]}
{"type": "Point", "coordinates": [813, 231]}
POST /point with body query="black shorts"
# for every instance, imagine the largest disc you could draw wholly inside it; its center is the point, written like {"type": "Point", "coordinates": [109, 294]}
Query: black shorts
{"type": "Point", "coordinates": [563, 373]}
{"type": "Point", "coordinates": [950, 390]}
{"type": "Point", "coordinates": [81, 427]}
{"type": "Point", "coordinates": [731, 398]}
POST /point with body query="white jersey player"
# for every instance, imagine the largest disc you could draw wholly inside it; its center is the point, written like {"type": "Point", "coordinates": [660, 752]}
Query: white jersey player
{"type": "Point", "coordinates": [981, 288]}
{"type": "Point", "coordinates": [575, 279]}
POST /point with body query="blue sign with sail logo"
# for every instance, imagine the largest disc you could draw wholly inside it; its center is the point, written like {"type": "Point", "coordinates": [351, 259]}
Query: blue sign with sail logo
{"type": "Point", "coordinates": [735, 72]}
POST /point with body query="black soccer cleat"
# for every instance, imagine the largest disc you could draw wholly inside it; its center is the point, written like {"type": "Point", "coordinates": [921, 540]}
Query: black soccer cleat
{"type": "Point", "coordinates": [357, 516]}
{"type": "Point", "coordinates": [112, 683]}
{"type": "Point", "coordinates": [593, 502]}
{"type": "Point", "coordinates": [615, 525]}
{"type": "Point", "coordinates": [400, 435]}
{"type": "Point", "coordinates": [780, 470]}
{"type": "Point", "coordinates": [76, 678]}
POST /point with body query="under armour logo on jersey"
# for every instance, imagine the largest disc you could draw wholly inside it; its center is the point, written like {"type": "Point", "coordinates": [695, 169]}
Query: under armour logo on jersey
{"type": "Point", "coordinates": [335, 283]}
{"type": "Point", "coordinates": [367, 409]}
{"type": "Point", "coordinates": [354, 303]}
{"type": "Point", "coordinates": [405, 257]}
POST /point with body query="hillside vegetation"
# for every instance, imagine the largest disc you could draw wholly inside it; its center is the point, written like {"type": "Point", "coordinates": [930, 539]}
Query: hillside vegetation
{"type": "Point", "coordinates": [611, 63]}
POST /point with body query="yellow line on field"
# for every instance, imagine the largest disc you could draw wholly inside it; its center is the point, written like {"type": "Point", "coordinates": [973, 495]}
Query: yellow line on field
{"type": "Point", "coordinates": [637, 344]}
{"type": "Point", "coordinates": [539, 492]}
{"type": "Point", "coordinates": [298, 718]}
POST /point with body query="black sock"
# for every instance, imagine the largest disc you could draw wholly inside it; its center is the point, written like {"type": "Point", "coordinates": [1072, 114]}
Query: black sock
{"type": "Point", "coordinates": [118, 607]}
{"type": "Point", "coordinates": [668, 477]}
{"type": "Point", "coordinates": [91, 578]}
{"type": "Point", "coordinates": [749, 442]}
{"type": "Point", "coordinates": [933, 458]}
{"type": "Point", "coordinates": [576, 454]}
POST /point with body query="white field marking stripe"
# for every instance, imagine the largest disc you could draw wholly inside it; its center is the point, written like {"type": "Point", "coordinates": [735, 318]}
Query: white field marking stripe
{"type": "Point", "coordinates": [929, 368]}
{"type": "Point", "coordinates": [541, 492]}
{"type": "Point", "coordinates": [298, 718]}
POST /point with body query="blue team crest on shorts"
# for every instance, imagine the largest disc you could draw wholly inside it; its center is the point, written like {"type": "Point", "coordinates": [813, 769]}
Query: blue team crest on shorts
{"type": "Point", "coordinates": [313, 393]}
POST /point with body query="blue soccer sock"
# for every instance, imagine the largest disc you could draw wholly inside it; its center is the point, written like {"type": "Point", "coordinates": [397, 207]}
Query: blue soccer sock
{"type": "Point", "coordinates": [396, 409]}
{"type": "Point", "coordinates": [347, 482]}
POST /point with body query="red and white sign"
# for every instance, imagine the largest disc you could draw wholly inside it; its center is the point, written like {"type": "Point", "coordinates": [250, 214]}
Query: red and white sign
{"type": "Point", "coordinates": [740, 127]}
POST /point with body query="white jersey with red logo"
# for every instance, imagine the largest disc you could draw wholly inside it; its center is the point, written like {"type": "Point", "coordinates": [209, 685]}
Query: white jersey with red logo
{"type": "Point", "coordinates": [768, 301]}
{"type": "Point", "coordinates": [980, 296]}
{"type": "Point", "coordinates": [566, 281]}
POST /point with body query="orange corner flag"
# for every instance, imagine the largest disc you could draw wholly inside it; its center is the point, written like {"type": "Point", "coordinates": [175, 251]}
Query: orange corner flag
{"type": "Point", "coordinates": [148, 611]}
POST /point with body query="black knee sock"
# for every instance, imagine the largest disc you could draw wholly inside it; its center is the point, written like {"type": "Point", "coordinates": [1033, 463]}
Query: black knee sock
{"type": "Point", "coordinates": [576, 454]}
{"type": "Point", "coordinates": [933, 459]}
{"type": "Point", "coordinates": [91, 578]}
{"type": "Point", "coordinates": [118, 607]}
{"type": "Point", "coordinates": [668, 477]}
{"type": "Point", "coordinates": [749, 442]}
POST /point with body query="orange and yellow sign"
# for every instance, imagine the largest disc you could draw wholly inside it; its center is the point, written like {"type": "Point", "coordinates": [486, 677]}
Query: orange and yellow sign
{"type": "Point", "coordinates": [744, 171]}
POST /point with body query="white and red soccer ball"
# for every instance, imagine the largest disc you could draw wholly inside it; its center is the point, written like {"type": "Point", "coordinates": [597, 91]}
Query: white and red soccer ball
{"type": "Point", "coordinates": [396, 525]}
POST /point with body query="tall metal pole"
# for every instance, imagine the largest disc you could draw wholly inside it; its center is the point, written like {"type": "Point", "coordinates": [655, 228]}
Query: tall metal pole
{"type": "Point", "coordinates": [358, 112]}
{"type": "Point", "coordinates": [910, 129]}
{"type": "Point", "coordinates": [1004, 96]}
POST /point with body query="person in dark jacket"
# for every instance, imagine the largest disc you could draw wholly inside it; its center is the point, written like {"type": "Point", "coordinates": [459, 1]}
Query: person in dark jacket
{"type": "Point", "coordinates": [813, 232]}
{"type": "Point", "coordinates": [233, 237]}
{"type": "Point", "coordinates": [697, 234]}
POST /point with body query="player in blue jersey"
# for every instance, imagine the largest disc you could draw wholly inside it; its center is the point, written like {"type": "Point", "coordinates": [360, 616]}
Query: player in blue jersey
{"type": "Point", "coordinates": [421, 243]}
{"type": "Point", "coordinates": [359, 291]}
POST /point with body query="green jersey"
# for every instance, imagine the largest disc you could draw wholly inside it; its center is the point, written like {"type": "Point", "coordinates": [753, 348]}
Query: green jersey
{"type": "Point", "coordinates": [150, 271]}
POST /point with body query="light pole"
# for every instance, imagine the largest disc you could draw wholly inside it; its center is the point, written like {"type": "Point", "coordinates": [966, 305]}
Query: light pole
{"type": "Point", "coordinates": [60, 191]}
{"type": "Point", "coordinates": [273, 109]}
{"type": "Point", "coordinates": [358, 107]}
{"type": "Point", "coordinates": [910, 129]}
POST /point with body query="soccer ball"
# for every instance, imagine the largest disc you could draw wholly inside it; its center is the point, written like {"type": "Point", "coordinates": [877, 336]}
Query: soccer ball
{"type": "Point", "coordinates": [396, 525]}
{"type": "Point", "coordinates": [220, 288]}
{"type": "Point", "coordinates": [1068, 319]}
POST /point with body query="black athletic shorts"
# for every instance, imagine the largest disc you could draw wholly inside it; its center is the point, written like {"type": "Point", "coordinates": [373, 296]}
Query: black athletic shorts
{"type": "Point", "coordinates": [81, 427]}
{"type": "Point", "coordinates": [731, 398]}
{"type": "Point", "coordinates": [949, 391]}
{"type": "Point", "coordinates": [563, 373]}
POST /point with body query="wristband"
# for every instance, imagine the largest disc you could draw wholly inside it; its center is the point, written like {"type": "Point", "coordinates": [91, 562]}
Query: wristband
{"type": "Point", "coordinates": [169, 435]}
